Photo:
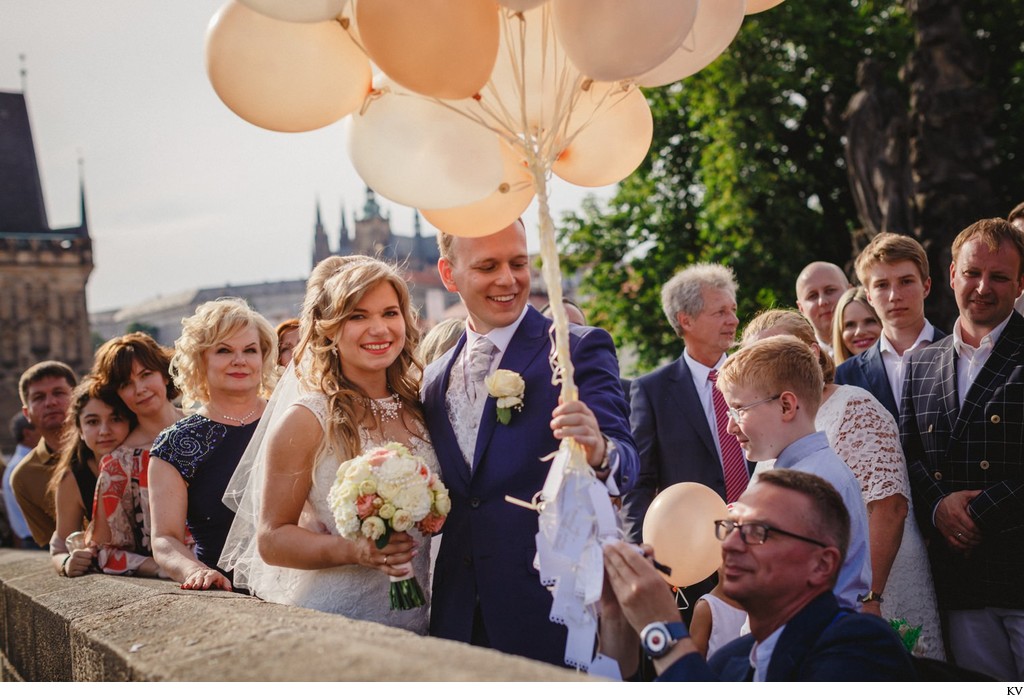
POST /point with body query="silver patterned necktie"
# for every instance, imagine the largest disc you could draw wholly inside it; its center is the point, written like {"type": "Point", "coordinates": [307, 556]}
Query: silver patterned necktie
{"type": "Point", "coordinates": [480, 355]}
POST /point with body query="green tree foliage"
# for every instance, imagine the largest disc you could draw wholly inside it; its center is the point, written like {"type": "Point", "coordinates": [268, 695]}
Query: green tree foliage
{"type": "Point", "coordinates": [742, 171]}
{"type": "Point", "coordinates": [997, 27]}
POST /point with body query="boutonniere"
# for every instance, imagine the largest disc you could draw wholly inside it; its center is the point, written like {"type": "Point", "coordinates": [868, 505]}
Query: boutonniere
{"type": "Point", "coordinates": [508, 387]}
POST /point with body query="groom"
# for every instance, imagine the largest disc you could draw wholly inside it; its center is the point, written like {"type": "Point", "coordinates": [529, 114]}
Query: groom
{"type": "Point", "coordinates": [486, 589]}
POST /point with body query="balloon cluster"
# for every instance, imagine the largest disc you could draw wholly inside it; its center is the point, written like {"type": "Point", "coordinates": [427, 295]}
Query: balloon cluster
{"type": "Point", "coordinates": [475, 102]}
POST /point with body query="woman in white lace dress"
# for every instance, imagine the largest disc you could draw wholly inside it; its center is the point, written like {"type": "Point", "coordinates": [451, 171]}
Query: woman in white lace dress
{"type": "Point", "coordinates": [352, 386]}
{"type": "Point", "coordinates": [865, 436]}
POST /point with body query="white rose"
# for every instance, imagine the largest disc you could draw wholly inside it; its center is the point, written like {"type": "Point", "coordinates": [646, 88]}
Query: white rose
{"type": "Point", "coordinates": [402, 520]}
{"type": "Point", "coordinates": [509, 401]}
{"type": "Point", "coordinates": [373, 528]}
{"type": "Point", "coordinates": [387, 490]}
{"type": "Point", "coordinates": [505, 382]}
{"type": "Point", "coordinates": [416, 500]}
{"type": "Point", "coordinates": [367, 486]}
{"type": "Point", "coordinates": [387, 511]}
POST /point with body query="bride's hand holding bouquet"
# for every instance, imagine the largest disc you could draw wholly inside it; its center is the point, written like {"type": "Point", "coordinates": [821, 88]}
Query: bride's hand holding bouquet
{"type": "Point", "coordinates": [378, 497]}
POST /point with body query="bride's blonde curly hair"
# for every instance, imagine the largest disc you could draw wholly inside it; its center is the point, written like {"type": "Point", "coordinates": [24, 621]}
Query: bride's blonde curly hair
{"type": "Point", "coordinates": [335, 288]}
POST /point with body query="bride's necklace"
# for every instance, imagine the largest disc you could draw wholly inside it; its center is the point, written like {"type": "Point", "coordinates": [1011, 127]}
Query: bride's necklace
{"type": "Point", "coordinates": [384, 410]}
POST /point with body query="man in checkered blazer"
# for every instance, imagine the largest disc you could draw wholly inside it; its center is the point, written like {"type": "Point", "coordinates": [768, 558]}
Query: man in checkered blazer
{"type": "Point", "coordinates": [962, 428]}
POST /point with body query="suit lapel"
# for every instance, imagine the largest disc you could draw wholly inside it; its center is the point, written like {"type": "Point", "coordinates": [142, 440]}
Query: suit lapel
{"type": "Point", "coordinates": [878, 379]}
{"type": "Point", "coordinates": [992, 375]}
{"type": "Point", "coordinates": [799, 637]}
{"type": "Point", "coordinates": [522, 350]}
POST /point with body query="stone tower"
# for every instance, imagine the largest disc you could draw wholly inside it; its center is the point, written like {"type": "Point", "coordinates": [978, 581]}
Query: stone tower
{"type": "Point", "coordinates": [43, 271]}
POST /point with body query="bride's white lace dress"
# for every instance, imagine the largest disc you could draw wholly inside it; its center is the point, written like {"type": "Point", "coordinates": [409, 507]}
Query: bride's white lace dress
{"type": "Point", "coordinates": [864, 435]}
{"type": "Point", "coordinates": [354, 591]}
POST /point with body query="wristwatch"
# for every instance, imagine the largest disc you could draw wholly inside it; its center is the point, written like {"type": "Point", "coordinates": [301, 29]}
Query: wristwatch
{"type": "Point", "coordinates": [658, 638]}
{"type": "Point", "coordinates": [871, 597]}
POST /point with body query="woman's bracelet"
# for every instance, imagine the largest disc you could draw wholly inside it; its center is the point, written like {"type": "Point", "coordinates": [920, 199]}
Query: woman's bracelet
{"type": "Point", "coordinates": [64, 566]}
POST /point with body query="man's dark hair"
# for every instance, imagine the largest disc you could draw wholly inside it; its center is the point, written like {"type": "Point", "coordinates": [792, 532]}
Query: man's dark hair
{"type": "Point", "coordinates": [829, 511]}
{"type": "Point", "coordinates": [44, 370]}
{"type": "Point", "coordinates": [19, 424]}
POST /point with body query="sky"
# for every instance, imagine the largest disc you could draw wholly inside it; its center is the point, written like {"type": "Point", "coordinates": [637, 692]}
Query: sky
{"type": "Point", "coordinates": [181, 193]}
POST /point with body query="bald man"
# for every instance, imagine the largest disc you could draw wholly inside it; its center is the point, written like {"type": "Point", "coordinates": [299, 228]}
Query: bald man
{"type": "Point", "coordinates": [818, 288]}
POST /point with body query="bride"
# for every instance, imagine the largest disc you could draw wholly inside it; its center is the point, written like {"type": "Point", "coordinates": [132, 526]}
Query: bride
{"type": "Point", "coordinates": [353, 385]}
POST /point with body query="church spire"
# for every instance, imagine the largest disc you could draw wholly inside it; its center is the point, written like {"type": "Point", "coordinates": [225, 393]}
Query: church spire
{"type": "Point", "coordinates": [371, 210]}
{"type": "Point", "coordinates": [84, 225]}
{"type": "Point", "coordinates": [321, 248]}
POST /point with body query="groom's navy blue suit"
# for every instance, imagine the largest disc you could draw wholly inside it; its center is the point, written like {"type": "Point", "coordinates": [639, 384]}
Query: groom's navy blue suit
{"type": "Point", "coordinates": [488, 547]}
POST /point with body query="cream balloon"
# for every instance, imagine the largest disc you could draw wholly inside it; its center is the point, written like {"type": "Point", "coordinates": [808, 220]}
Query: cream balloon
{"type": "Point", "coordinates": [755, 6]}
{"type": "Point", "coordinates": [298, 10]}
{"type": "Point", "coordinates": [533, 73]}
{"type": "Point", "coordinates": [610, 130]}
{"type": "Point", "coordinates": [521, 5]}
{"type": "Point", "coordinates": [616, 40]}
{"type": "Point", "coordinates": [437, 48]}
{"type": "Point", "coordinates": [284, 76]}
{"type": "Point", "coordinates": [717, 23]}
{"type": "Point", "coordinates": [497, 210]}
{"type": "Point", "coordinates": [680, 526]}
{"type": "Point", "coordinates": [420, 153]}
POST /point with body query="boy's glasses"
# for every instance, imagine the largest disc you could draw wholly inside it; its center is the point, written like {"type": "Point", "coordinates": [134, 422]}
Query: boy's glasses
{"type": "Point", "coordinates": [737, 413]}
{"type": "Point", "coordinates": [756, 533]}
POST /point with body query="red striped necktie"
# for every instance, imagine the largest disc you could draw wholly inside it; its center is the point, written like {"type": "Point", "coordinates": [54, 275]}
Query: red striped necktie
{"type": "Point", "coordinates": [734, 466]}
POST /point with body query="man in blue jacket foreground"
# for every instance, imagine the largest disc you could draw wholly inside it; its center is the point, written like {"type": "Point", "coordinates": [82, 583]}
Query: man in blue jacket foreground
{"type": "Point", "coordinates": [783, 544]}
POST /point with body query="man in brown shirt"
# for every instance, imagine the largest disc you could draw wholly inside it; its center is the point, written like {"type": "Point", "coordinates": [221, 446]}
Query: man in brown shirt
{"type": "Point", "coordinates": [45, 390]}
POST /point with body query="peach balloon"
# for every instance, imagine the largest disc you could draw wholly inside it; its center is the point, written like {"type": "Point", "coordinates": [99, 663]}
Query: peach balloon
{"type": "Point", "coordinates": [755, 6]}
{"type": "Point", "coordinates": [617, 40]}
{"type": "Point", "coordinates": [680, 526]}
{"type": "Point", "coordinates": [534, 72]}
{"type": "Point", "coordinates": [718, 22]}
{"type": "Point", "coordinates": [521, 5]}
{"type": "Point", "coordinates": [610, 130]}
{"type": "Point", "coordinates": [437, 48]}
{"type": "Point", "coordinates": [497, 210]}
{"type": "Point", "coordinates": [297, 10]}
{"type": "Point", "coordinates": [284, 76]}
{"type": "Point", "coordinates": [420, 153]}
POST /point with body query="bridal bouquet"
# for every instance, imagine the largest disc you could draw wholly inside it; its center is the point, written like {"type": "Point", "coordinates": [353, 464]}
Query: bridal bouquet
{"type": "Point", "coordinates": [386, 490]}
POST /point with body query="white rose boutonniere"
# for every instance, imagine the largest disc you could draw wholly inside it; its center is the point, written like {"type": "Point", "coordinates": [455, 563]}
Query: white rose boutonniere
{"type": "Point", "coordinates": [508, 388]}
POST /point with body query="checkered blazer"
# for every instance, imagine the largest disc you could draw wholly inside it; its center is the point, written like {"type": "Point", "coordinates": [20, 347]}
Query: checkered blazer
{"type": "Point", "coordinates": [978, 447]}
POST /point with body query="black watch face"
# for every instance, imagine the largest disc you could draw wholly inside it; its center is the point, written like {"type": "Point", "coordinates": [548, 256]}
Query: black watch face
{"type": "Point", "coordinates": [656, 640]}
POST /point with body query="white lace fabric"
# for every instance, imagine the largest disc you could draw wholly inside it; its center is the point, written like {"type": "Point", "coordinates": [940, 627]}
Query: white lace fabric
{"type": "Point", "coordinates": [865, 436]}
{"type": "Point", "coordinates": [354, 591]}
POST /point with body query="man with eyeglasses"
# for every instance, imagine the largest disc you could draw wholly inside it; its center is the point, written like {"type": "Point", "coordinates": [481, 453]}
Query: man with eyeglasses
{"type": "Point", "coordinates": [773, 388]}
{"type": "Point", "coordinates": [783, 546]}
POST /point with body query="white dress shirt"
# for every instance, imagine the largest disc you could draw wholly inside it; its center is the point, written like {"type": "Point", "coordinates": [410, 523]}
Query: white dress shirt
{"type": "Point", "coordinates": [970, 360]}
{"type": "Point", "coordinates": [895, 364]}
{"type": "Point", "coordinates": [700, 374]}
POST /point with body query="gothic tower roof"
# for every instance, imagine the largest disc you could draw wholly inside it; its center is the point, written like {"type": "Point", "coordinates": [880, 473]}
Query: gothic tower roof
{"type": "Point", "coordinates": [22, 209]}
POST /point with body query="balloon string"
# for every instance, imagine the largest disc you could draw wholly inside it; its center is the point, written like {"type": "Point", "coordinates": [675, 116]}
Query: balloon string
{"type": "Point", "coordinates": [552, 273]}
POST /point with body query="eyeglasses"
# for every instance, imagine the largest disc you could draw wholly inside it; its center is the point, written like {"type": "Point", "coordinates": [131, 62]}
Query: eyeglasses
{"type": "Point", "coordinates": [756, 533]}
{"type": "Point", "coordinates": [737, 413]}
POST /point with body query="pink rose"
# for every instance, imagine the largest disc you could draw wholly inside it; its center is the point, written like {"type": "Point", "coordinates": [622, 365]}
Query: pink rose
{"type": "Point", "coordinates": [365, 506]}
{"type": "Point", "coordinates": [431, 524]}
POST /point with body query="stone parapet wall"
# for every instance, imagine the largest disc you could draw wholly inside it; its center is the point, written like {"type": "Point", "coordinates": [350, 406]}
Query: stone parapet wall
{"type": "Point", "coordinates": [107, 628]}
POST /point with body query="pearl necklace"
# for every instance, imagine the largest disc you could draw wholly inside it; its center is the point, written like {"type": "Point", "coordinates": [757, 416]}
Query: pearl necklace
{"type": "Point", "coordinates": [241, 421]}
{"type": "Point", "coordinates": [384, 410]}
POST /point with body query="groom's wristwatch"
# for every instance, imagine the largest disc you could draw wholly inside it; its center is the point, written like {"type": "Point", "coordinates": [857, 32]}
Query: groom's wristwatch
{"type": "Point", "coordinates": [658, 638]}
{"type": "Point", "coordinates": [871, 597]}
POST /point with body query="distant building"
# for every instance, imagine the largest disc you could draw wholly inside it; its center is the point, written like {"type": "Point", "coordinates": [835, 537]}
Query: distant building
{"type": "Point", "coordinates": [43, 271]}
{"type": "Point", "coordinates": [417, 254]}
